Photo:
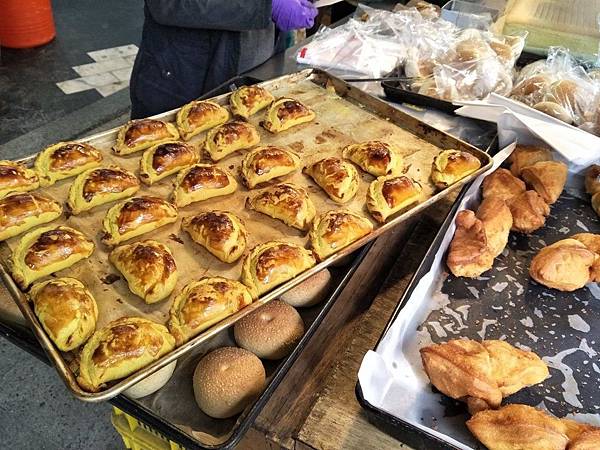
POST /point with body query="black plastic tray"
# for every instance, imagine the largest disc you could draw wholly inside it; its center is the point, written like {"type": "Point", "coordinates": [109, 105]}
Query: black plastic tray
{"type": "Point", "coordinates": [399, 92]}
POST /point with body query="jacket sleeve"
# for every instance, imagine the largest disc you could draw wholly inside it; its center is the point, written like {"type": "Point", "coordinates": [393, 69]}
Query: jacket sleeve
{"type": "Point", "coordinates": [229, 15]}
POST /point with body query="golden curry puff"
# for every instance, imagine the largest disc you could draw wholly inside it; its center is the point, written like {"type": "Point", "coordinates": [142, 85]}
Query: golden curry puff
{"type": "Point", "coordinates": [65, 160]}
{"type": "Point", "coordinates": [203, 303]}
{"type": "Point", "coordinates": [201, 182]}
{"type": "Point", "coordinates": [198, 116]}
{"type": "Point", "coordinates": [221, 233]}
{"type": "Point", "coordinates": [248, 100]}
{"type": "Point", "coordinates": [388, 195]}
{"type": "Point", "coordinates": [67, 311]}
{"type": "Point", "coordinates": [15, 177]}
{"type": "Point", "coordinates": [287, 202]}
{"type": "Point", "coordinates": [272, 263]}
{"type": "Point", "coordinates": [98, 186]}
{"type": "Point", "coordinates": [334, 230]}
{"type": "Point", "coordinates": [46, 250]}
{"type": "Point", "coordinates": [165, 159]}
{"type": "Point", "coordinates": [137, 135]}
{"type": "Point", "coordinates": [149, 268]}
{"type": "Point", "coordinates": [230, 137]}
{"type": "Point", "coordinates": [451, 166]}
{"type": "Point", "coordinates": [285, 113]}
{"type": "Point", "coordinates": [23, 211]}
{"type": "Point", "coordinates": [121, 348]}
{"type": "Point", "coordinates": [375, 157]}
{"type": "Point", "coordinates": [136, 216]}
{"type": "Point", "coordinates": [337, 177]}
{"type": "Point", "coordinates": [266, 163]}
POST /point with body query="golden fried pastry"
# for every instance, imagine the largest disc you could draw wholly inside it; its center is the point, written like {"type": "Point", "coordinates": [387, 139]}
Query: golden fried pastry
{"type": "Point", "coordinates": [21, 212]}
{"type": "Point", "coordinates": [592, 179]}
{"type": "Point", "coordinates": [273, 263]}
{"type": "Point", "coordinates": [547, 178]}
{"type": "Point", "coordinates": [497, 221]}
{"type": "Point", "coordinates": [481, 374]}
{"type": "Point", "coordinates": [201, 182]}
{"type": "Point", "coordinates": [149, 268]}
{"type": "Point", "coordinates": [248, 100]}
{"type": "Point", "coordinates": [527, 155]}
{"type": "Point", "coordinates": [287, 202]}
{"type": "Point", "coordinates": [230, 137]}
{"type": "Point", "coordinates": [588, 440]}
{"type": "Point", "coordinates": [285, 113]}
{"type": "Point", "coordinates": [99, 186]}
{"type": "Point", "coordinates": [592, 242]}
{"type": "Point", "coordinates": [334, 230]}
{"type": "Point", "coordinates": [121, 348]}
{"type": "Point", "coordinates": [390, 194]}
{"type": "Point", "coordinates": [266, 163]}
{"type": "Point", "coordinates": [46, 250]}
{"type": "Point", "coordinates": [451, 166]}
{"type": "Point", "coordinates": [198, 116]}
{"type": "Point", "coordinates": [529, 212]}
{"type": "Point", "coordinates": [15, 177]}
{"type": "Point", "coordinates": [469, 254]}
{"type": "Point", "coordinates": [565, 265]}
{"type": "Point", "coordinates": [221, 233]}
{"type": "Point", "coordinates": [518, 427]}
{"type": "Point", "coordinates": [503, 185]}
{"type": "Point", "coordinates": [66, 310]}
{"type": "Point", "coordinates": [136, 216]}
{"type": "Point", "coordinates": [375, 157]}
{"type": "Point", "coordinates": [64, 160]}
{"type": "Point", "coordinates": [165, 159]}
{"type": "Point", "coordinates": [203, 303]}
{"type": "Point", "coordinates": [141, 134]}
{"type": "Point", "coordinates": [596, 202]}
{"type": "Point", "coordinates": [337, 177]}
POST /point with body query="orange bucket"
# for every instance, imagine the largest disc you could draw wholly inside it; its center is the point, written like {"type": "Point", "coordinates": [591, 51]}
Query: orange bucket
{"type": "Point", "coordinates": [26, 23]}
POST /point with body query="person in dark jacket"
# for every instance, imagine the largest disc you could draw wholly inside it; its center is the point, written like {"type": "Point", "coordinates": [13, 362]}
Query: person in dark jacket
{"type": "Point", "coordinates": [191, 46]}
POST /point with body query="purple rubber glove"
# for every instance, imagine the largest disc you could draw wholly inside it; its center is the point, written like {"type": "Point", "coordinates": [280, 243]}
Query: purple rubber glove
{"type": "Point", "coordinates": [293, 14]}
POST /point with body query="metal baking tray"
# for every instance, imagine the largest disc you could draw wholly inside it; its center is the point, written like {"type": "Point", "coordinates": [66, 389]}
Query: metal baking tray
{"type": "Point", "coordinates": [344, 115]}
{"type": "Point", "coordinates": [503, 303]}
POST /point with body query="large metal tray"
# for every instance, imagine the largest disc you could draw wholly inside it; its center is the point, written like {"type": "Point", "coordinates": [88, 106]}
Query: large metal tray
{"type": "Point", "coordinates": [344, 115]}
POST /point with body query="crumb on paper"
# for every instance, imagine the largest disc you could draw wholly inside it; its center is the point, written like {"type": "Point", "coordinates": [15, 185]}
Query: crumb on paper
{"type": "Point", "coordinates": [176, 238]}
{"type": "Point", "coordinates": [110, 278]}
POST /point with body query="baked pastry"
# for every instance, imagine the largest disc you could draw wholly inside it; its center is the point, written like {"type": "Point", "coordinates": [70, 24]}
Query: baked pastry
{"type": "Point", "coordinates": [96, 187]}
{"type": "Point", "coordinates": [390, 194]}
{"type": "Point", "coordinates": [201, 182]}
{"type": "Point", "coordinates": [596, 202]}
{"type": "Point", "coordinates": [527, 155]}
{"type": "Point", "coordinates": [271, 331]}
{"type": "Point", "coordinates": [337, 177]}
{"type": "Point", "coordinates": [481, 374]}
{"type": "Point", "coordinates": [141, 134]}
{"type": "Point", "coordinates": [497, 221]}
{"type": "Point", "coordinates": [230, 137]}
{"type": "Point", "coordinates": [198, 116]}
{"type": "Point", "coordinates": [121, 348]}
{"type": "Point", "coordinates": [529, 212]}
{"type": "Point", "coordinates": [592, 242]}
{"type": "Point", "coordinates": [334, 230]}
{"type": "Point", "coordinates": [503, 185]}
{"type": "Point", "coordinates": [64, 160]}
{"type": "Point", "coordinates": [469, 254]}
{"type": "Point", "coordinates": [547, 178]}
{"type": "Point", "coordinates": [555, 110]}
{"type": "Point", "coordinates": [248, 100]}
{"type": "Point", "coordinates": [66, 310]}
{"type": "Point", "coordinates": [227, 380]}
{"type": "Point", "coordinates": [151, 383]}
{"type": "Point", "coordinates": [588, 440]}
{"type": "Point", "coordinates": [452, 165]}
{"type": "Point", "coordinates": [287, 202]}
{"type": "Point", "coordinates": [375, 157]}
{"type": "Point", "coordinates": [273, 263]}
{"type": "Point", "coordinates": [203, 303]}
{"type": "Point", "coordinates": [136, 216]}
{"type": "Point", "coordinates": [46, 250]}
{"type": "Point", "coordinates": [165, 159]}
{"type": "Point", "coordinates": [23, 211]}
{"type": "Point", "coordinates": [565, 265]}
{"type": "Point", "coordinates": [149, 268]}
{"type": "Point", "coordinates": [592, 179]}
{"type": "Point", "coordinates": [15, 177]}
{"type": "Point", "coordinates": [285, 113]}
{"type": "Point", "coordinates": [265, 163]}
{"type": "Point", "coordinates": [310, 292]}
{"type": "Point", "coordinates": [221, 233]}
